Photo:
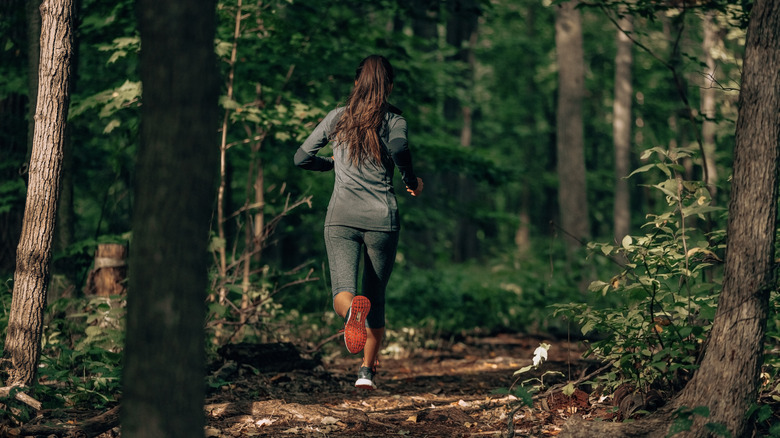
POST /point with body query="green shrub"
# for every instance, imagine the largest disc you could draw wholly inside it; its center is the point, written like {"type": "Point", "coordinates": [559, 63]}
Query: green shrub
{"type": "Point", "coordinates": [669, 287]}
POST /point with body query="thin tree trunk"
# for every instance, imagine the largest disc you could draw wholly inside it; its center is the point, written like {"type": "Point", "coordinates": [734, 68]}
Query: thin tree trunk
{"type": "Point", "coordinates": [33, 256]}
{"type": "Point", "coordinates": [163, 391]}
{"type": "Point", "coordinates": [708, 103]}
{"type": "Point", "coordinates": [224, 181]}
{"type": "Point", "coordinates": [462, 34]}
{"type": "Point", "coordinates": [621, 128]}
{"type": "Point", "coordinates": [572, 193]}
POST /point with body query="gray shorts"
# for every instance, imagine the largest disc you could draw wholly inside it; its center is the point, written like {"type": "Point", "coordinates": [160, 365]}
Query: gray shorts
{"type": "Point", "coordinates": [344, 246]}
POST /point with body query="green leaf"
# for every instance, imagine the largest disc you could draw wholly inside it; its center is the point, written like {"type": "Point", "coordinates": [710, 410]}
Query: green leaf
{"type": "Point", "coordinates": [665, 169]}
{"type": "Point", "coordinates": [114, 123]}
{"type": "Point", "coordinates": [524, 369]}
{"type": "Point", "coordinates": [588, 327]}
{"type": "Point", "coordinates": [642, 169]}
{"type": "Point", "coordinates": [568, 390]}
{"type": "Point", "coordinates": [524, 396]}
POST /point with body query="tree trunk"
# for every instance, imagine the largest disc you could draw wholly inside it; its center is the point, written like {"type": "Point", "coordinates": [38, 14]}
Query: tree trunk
{"type": "Point", "coordinates": [33, 256]}
{"type": "Point", "coordinates": [728, 378]}
{"type": "Point", "coordinates": [621, 128]}
{"type": "Point", "coordinates": [109, 271]}
{"type": "Point", "coordinates": [708, 104]}
{"type": "Point", "coordinates": [163, 391]}
{"type": "Point", "coordinates": [572, 194]}
{"type": "Point", "coordinates": [462, 34]}
{"type": "Point", "coordinates": [727, 381]}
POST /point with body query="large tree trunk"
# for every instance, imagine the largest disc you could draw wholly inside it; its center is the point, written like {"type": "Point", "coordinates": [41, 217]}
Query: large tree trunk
{"type": "Point", "coordinates": [174, 193]}
{"type": "Point", "coordinates": [572, 194]}
{"type": "Point", "coordinates": [621, 129]}
{"type": "Point", "coordinates": [727, 380]}
{"type": "Point", "coordinates": [33, 256]}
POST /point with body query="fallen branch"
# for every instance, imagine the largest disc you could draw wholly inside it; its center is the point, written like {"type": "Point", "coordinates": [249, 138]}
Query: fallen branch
{"type": "Point", "coordinates": [559, 387]}
{"type": "Point", "coordinates": [88, 429]}
{"type": "Point", "coordinates": [21, 396]}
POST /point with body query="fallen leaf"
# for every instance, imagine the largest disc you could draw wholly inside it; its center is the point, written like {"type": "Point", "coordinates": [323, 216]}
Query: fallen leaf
{"type": "Point", "coordinates": [412, 419]}
{"type": "Point", "coordinates": [264, 422]}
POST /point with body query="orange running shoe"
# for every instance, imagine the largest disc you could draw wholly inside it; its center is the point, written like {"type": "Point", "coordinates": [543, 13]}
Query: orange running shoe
{"type": "Point", "coordinates": [355, 324]}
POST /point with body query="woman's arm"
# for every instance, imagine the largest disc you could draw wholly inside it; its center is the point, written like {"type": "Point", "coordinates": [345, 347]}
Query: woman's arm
{"type": "Point", "coordinates": [402, 157]}
{"type": "Point", "coordinates": [306, 155]}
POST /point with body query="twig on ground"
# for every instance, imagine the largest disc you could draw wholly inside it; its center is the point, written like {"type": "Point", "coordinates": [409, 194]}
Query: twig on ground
{"type": "Point", "coordinates": [560, 386]}
{"type": "Point", "coordinates": [21, 396]}
{"type": "Point", "coordinates": [88, 429]}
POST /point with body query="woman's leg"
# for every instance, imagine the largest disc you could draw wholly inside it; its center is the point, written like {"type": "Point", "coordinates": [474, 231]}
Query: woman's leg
{"type": "Point", "coordinates": [343, 246]}
{"type": "Point", "coordinates": [379, 259]}
{"type": "Point", "coordinates": [342, 301]}
{"type": "Point", "coordinates": [373, 345]}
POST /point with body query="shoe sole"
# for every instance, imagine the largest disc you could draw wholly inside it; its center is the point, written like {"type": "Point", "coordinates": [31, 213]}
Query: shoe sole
{"type": "Point", "coordinates": [365, 384]}
{"type": "Point", "coordinates": [355, 328]}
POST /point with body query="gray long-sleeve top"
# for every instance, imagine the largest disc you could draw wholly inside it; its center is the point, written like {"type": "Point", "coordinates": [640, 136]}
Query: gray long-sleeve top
{"type": "Point", "coordinates": [363, 196]}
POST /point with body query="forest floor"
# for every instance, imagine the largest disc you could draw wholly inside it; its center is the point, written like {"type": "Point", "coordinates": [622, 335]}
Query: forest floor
{"type": "Point", "coordinates": [447, 391]}
{"type": "Point", "coordinates": [451, 389]}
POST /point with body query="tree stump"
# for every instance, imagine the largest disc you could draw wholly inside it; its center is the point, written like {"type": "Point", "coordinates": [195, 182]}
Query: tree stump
{"type": "Point", "coordinates": [108, 276]}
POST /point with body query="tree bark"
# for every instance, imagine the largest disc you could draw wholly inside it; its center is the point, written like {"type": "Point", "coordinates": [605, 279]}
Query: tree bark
{"type": "Point", "coordinates": [728, 378]}
{"type": "Point", "coordinates": [33, 256]}
{"type": "Point", "coordinates": [572, 193]}
{"type": "Point", "coordinates": [621, 128]}
{"type": "Point", "coordinates": [174, 195]}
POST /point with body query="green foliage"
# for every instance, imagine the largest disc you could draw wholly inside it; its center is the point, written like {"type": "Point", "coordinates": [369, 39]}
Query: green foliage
{"type": "Point", "coordinates": [667, 287]}
{"type": "Point", "coordinates": [82, 351]}
{"type": "Point", "coordinates": [11, 194]}
{"type": "Point", "coordinates": [683, 419]}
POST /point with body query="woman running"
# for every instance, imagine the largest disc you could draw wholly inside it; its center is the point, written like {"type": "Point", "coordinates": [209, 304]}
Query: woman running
{"type": "Point", "coordinates": [369, 142]}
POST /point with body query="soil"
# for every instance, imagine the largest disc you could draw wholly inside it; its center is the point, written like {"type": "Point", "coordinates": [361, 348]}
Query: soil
{"type": "Point", "coordinates": [453, 390]}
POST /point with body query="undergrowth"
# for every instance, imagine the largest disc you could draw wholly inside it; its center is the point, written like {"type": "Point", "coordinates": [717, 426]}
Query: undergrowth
{"type": "Point", "coordinates": [669, 285]}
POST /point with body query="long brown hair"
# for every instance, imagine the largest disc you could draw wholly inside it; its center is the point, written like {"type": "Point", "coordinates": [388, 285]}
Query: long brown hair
{"type": "Point", "coordinates": [358, 128]}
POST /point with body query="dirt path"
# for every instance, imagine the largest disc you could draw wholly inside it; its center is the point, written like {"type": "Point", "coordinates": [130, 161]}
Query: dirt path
{"type": "Point", "coordinates": [444, 392]}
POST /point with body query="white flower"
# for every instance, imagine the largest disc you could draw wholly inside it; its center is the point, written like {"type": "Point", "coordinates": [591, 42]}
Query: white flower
{"type": "Point", "coordinates": [540, 354]}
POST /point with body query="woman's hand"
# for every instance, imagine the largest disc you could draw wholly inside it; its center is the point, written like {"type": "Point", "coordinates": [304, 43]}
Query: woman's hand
{"type": "Point", "coordinates": [418, 190]}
